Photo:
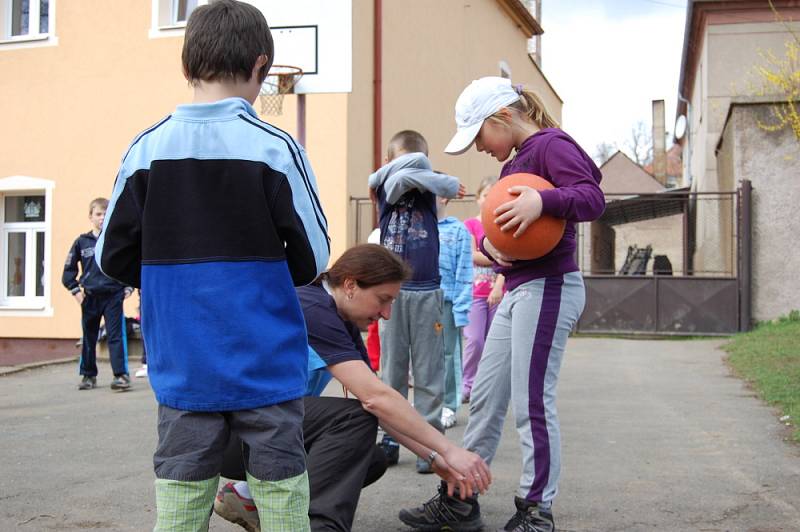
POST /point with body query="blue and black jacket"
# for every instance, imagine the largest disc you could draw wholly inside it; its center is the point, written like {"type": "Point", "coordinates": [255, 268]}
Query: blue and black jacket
{"type": "Point", "coordinates": [216, 216]}
{"type": "Point", "coordinates": [91, 278]}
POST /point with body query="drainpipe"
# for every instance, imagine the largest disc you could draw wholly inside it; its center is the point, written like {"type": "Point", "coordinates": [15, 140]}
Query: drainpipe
{"type": "Point", "coordinates": [745, 272]}
{"type": "Point", "coordinates": [688, 157]}
{"type": "Point", "coordinates": [377, 103]}
{"type": "Point", "coordinates": [301, 119]}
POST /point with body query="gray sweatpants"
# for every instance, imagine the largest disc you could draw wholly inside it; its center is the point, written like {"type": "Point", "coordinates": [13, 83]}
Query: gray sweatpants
{"type": "Point", "coordinates": [414, 333]}
{"type": "Point", "coordinates": [520, 362]}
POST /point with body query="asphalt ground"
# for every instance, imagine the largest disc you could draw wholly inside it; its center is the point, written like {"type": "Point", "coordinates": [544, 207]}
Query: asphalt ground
{"type": "Point", "coordinates": [656, 435]}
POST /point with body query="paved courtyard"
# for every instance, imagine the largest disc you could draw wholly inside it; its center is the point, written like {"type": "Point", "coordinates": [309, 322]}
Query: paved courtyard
{"type": "Point", "coordinates": [656, 436]}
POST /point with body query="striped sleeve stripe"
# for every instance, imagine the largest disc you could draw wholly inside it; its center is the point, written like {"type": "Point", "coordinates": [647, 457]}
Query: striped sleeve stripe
{"type": "Point", "coordinates": [301, 167]}
{"type": "Point", "coordinates": [286, 138]}
{"type": "Point", "coordinates": [290, 139]}
{"type": "Point", "coordinates": [143, 134]}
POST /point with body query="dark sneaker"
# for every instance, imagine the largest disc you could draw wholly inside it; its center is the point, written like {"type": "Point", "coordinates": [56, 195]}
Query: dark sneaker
{"type": "Point", "coordinates": [122, 383]}
{"type": "Point", "coordinates": [443, 512]}
{"type": "Point", "coordinates": [87, 383]}
{"type": "Point", "coordinates": [423, 467]}
{"type": "Point", "coordinates": [232, 507]}
{"type": "Point", "coordinates": [391, 449]}
{"type": "Point", "coordinates": [530, 518]}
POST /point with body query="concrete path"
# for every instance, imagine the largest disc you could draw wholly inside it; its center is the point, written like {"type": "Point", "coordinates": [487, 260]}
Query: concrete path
{"type": "Point", "coordinates": [656, 436]}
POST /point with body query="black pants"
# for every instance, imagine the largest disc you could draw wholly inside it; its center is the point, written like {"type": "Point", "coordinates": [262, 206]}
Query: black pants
{"type": "Point", "coordinates": [109, 306]}
{"type": "Point", "coordinates": [342, 458]}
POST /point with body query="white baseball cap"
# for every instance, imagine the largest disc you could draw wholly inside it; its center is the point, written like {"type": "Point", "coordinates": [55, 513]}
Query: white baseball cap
{"type": "Point", "coordinates": [481, 99]}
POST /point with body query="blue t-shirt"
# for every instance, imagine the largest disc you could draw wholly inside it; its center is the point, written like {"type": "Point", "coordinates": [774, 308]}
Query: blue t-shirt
{"type": "Point", "coordinates": [331, 340]}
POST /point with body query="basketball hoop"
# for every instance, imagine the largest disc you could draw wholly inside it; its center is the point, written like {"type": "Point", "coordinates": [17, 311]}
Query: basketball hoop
{"type": "Point", "coordinates": [279, 82]}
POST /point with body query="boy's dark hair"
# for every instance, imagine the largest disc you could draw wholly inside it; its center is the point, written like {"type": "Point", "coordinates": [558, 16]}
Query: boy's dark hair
{"type": "Point", "coordinates": [98, 202]}
{"type": "Point", "coordinates": [223, 40]}
{"type": "Point", "coordinates": [408, 141]}
{"type": "Point", "coordinates": [368, 265]}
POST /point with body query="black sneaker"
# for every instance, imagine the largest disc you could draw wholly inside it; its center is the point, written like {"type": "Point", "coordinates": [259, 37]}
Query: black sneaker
{"type": "Point", "coordinates": [122, 382]}
{"type": "Point", "coordinates": [443, 512]}
{"type": "Point", "coordinates": [391, 449]}
{"type": "Point", "coordinates": [87, 383]}
{"type": "Point", "coordinates": [530, 518]}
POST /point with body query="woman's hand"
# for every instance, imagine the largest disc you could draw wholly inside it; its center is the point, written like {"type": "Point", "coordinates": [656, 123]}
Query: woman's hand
{"type": "Point", "coordinates": [446, 473]}
{"type": "Point", "coordinates": [520, 212]}
{"type": "Point", "coordinates": [499, 258]}
{"type": "Point", "coordinates": [471, 472]}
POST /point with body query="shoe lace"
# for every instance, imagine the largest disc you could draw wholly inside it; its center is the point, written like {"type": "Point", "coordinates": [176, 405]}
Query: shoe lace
{"type": "Point", "coordinates": [437, 509]}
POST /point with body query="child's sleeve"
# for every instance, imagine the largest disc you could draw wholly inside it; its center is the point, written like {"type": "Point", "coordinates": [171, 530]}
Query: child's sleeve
{"type": "Point", "coordinates": [412, 171]}
{"type": "Point", "coordinates": [118, 252]}
{"type": "Point", "coordinates": [577, 196]}
{"type": "Point", "coordinates": [404, 180]}
{"type": "Point", "coordinates": [70, 276]}
{"type": "Point", "coordinates": [300, 222]}
{"type": "Point", "coordinates": [462, 299]}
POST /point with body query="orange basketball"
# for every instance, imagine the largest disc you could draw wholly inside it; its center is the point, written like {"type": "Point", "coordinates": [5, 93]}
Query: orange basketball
{"type": "Point", "coordinates": [538, 239]}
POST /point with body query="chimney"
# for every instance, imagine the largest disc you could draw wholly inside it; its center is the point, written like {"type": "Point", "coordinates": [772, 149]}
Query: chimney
{"type": "Point", "coordinates": [659, 143]}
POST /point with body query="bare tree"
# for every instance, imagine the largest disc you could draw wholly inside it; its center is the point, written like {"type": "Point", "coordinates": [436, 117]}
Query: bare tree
{"type": "Point", "coordinates": [603, 152]}
{"type": "Point", "coordinates": [640, 144]}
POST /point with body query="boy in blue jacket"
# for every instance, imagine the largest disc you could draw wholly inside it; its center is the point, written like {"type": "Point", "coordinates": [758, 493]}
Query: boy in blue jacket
{"type": "Point", "coordinates": [216, 216]}
{"type": "Point", "coordinates": [455, 267]}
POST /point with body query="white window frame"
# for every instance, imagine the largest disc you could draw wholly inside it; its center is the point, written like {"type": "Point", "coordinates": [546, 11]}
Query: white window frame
{"type": "Point", "coordinates": [34, 38]}
{"type": "Point", "coordinates": [35, 306]}
{"type": "Point", "coordinates": [164, 19]}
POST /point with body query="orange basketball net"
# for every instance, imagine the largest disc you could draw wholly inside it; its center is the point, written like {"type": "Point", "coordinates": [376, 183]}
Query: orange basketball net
{"type": "Point", "coordinates": [279, 82]}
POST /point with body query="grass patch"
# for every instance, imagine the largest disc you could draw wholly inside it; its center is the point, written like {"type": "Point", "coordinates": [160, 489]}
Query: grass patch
{"type": "Point", "coordinates": [769, 358]}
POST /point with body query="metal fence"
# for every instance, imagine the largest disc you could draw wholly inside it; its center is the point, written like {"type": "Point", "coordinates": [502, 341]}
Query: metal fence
{"type": "Point", "coordinates": [667, 263]}
{"type": "Point", "coordinates": [672, 262]}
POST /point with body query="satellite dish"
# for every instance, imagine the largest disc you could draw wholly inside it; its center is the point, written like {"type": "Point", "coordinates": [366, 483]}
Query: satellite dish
{"type": "Point", "coordinates": [680, 127]}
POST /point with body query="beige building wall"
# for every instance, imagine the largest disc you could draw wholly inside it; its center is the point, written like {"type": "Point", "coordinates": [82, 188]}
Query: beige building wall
{"type": "Point", "coordinates": [71, 109]}
{"type": "Point", "coordinates": [430, 52]}
{"type": "Point", "coordinates": [726, 70]}
{"type": "Point", "coordinates": [430, 59]}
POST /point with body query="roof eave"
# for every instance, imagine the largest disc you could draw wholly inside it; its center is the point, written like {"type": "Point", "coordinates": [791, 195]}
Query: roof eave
{"type": "Point", "coordinates": [687, 32]}
{"type": "Point", "coordinates": [521, 17]}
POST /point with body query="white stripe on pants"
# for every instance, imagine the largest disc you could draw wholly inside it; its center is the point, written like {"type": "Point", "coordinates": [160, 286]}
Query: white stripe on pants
{"type": "Point", "coordinates": [520, 363]}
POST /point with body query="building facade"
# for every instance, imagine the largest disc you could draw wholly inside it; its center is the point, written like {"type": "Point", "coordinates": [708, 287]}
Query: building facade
{"type": "Point", "coordinates": [725, 45]}
{"type": "Point", "coordinates": [80, 78]}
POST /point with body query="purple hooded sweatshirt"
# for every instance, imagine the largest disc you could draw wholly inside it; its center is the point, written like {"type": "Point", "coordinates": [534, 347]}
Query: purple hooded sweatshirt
{"type": "Point", "coordinates": [555, 156]}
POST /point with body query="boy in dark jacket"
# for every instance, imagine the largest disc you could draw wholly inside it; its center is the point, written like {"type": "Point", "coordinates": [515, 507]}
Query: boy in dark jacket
{"type": "Point", "coordinates": [98, 296]}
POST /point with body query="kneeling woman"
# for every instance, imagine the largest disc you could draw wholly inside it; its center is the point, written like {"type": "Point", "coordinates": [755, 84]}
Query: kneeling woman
{"type": "Point", "coordinates": [339, 434]}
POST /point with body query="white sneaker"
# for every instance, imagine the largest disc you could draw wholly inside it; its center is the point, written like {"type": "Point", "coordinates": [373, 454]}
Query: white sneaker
{"type": "Point", "coordinates": [141, 372]}
{"type": "Point", "coordinates": [448, 418]}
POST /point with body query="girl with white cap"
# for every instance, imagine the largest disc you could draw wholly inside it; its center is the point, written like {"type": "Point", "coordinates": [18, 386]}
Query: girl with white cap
{"type": "Point", "coordinates": [544, 299]}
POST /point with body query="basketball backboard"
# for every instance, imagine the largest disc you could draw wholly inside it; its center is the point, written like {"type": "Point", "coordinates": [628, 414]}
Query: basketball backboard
{"type": "Point", "coordinates": [315, 35]}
